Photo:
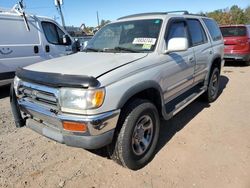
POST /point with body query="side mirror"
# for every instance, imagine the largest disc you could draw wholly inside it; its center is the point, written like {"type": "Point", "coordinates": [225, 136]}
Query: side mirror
{"type": "Point", "coordinates": [66, 40]}
{"type": "Point", "coordinates": [76, 47]}
{"type": "Point", "coordinates": [85, 43]}
{"type": "Point", "coordinates": [177, 45]}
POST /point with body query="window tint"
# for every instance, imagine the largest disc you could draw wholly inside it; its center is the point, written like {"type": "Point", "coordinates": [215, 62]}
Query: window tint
{"type": "Point", "coordinates": [233, 31]}
{"type": "Point", "coordinates": [213, 29]}
{"type": "Point", "coordinates": [60, 35]}
{"type": "Point", "coordinates": [53, 34]}
{"type": "Point", "coordinates": [177, 30]}
{"type": "Point", "coordinates": [127, 35]}
{"type": "Point", "coordinates": [197, 32]}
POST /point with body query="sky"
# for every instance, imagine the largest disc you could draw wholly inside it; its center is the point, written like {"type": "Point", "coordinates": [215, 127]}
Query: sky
{"type": "Point", "coordinates": [77, 12]}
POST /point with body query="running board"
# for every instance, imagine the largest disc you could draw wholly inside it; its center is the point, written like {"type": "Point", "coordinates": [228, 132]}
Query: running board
{"type": "Point", "coordinates": [178, 105]}
{"type": "Point", "coordinates": [188, 100]}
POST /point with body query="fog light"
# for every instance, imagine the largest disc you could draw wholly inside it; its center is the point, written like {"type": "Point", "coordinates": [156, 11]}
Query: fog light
{"type": "Point", "coordinates": [74, 126]}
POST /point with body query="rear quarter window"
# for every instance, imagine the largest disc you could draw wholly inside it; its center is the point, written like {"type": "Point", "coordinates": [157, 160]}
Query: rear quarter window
{"type": "Point", "coordinates": [213, 29]}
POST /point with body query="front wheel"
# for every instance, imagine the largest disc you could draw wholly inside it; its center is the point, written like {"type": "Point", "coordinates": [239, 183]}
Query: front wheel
{"type": "Point", "coordinates": [213, 85]}
{"type": "Point", "coordinates": [136, 142]}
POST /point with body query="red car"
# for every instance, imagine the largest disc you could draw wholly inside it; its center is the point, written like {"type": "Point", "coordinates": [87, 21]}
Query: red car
{"type": "Point", "coordinates": [237, 42]}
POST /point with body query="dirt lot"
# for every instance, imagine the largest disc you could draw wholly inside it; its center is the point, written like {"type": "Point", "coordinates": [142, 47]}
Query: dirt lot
{"type": "Point", "coordinates": [203, 146]}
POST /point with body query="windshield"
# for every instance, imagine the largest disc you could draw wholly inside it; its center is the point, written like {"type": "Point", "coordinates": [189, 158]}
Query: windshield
{"type": "Point", "coordinates": [129, 36]}
{"type": "Point", "coordinates": [233, 31]}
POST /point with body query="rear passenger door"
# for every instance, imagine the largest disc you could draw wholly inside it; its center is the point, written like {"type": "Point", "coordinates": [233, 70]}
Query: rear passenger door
{"type": "Point", "coordinates": [202, 49]}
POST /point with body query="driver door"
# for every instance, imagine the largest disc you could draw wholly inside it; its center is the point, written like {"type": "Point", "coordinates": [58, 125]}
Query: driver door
{"type": "Point", "coordinates": [179, 66]}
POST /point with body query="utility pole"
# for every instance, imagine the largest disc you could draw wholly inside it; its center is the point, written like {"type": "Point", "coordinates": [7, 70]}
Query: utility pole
{"type": "Point", "coordinates": [97, 15]}
{"type": "Point", "coordinates": [58, 4]}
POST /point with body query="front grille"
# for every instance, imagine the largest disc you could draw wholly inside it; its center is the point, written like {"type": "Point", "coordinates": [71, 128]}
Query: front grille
{"type": "Point", "coordinates": [41, 95]}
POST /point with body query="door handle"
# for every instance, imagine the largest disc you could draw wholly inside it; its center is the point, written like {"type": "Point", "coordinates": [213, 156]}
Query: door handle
{"type": "Point", "coordinates": [47, 48]}
{"type": "Point", "coordinates": [36, 49]}
{"type": "Point", "coordinates": [191, 59]}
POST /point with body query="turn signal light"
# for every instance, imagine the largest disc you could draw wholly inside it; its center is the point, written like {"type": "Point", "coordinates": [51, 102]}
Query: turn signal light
{"type": "Point", "coordinates": [74, 126]}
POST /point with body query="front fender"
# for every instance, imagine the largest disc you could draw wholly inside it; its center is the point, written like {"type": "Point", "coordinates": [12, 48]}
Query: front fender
{"type": "Point", "coordinates": [140, 87]}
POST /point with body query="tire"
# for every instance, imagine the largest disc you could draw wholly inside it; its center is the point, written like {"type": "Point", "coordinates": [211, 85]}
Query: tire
{"type": "Point", "coordinates": [247, 63]}
{"type": "Point", "coordinates": [213, 86]}
{"type": "Point", "coordinates": [19, 121]}
{"type": "Point", "coordinates": [135, 144]}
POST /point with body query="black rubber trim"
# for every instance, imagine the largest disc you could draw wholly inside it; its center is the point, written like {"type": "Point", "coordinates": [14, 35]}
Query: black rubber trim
{"type": "Point", "coordinates": [7, 75]}
{"type": "Point", "coordinates": [170, 106]}
{"type": "Point", "coordinates": [56, 79]}
{"type": "Point", "coordinates": [19, 121]}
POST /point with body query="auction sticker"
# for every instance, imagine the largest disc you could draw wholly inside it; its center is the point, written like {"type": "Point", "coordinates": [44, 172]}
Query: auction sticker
{"type": "Point", "coordinates": [149, 41]}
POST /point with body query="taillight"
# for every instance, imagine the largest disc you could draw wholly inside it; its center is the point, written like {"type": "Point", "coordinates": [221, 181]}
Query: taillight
{"type": "Point", "coordinates": [242, 42]}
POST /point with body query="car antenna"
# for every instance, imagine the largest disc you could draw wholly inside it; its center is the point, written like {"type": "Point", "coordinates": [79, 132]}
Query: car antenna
{"type": "Point", "coordinates": [19, 9]}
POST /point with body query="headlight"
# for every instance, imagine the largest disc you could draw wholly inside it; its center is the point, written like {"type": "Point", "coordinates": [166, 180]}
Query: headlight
{"type": "Point", "coordinates": [16, 84]}
{"type": "Point", "coordinates": [77, 100]}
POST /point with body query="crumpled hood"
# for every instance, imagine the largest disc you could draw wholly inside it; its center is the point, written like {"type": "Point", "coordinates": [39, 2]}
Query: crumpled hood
{"type": "Point", "coordinates": [89, 64]}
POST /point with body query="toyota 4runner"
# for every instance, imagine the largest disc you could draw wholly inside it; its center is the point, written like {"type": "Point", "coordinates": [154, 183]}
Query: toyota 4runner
{"type": "Point", "coordinates": [133, 72]}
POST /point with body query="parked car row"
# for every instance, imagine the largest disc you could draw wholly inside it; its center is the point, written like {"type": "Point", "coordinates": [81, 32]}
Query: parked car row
{"type": "Point", "coordinates": [237, 42]}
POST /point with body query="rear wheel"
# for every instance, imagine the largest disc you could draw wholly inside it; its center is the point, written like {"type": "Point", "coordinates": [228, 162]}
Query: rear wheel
{"type": "Point", "coordinates": [136, 142]}
{"type": "Point", "coordinates": [247, 63]}
{"type": "Point", "coordinates": [213, 85]}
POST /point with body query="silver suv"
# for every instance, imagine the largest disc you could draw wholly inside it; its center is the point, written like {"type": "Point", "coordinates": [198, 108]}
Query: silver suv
{"type": "Point", "coordinates": [133, 72]}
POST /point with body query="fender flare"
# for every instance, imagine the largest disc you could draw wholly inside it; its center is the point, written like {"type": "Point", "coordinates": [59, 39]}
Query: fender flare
{"type": "Point", "coordinates": [139, 88]}
{"type": "Point", "coordinates": [217, 56]}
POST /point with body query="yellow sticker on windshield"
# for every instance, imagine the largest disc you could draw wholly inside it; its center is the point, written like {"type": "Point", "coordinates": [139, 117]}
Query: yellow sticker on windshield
{"type": "Point", "coordinates": [146, 46]}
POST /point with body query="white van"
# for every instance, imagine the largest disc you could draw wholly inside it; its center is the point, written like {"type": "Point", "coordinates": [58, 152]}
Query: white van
{"type": "Point", "coordinates": [28, 39]}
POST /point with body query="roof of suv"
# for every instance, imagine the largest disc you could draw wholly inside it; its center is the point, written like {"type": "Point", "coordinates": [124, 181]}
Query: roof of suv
{"type": "Point", "coordinates": [161, 15]}
{"type": "Point", "coordinates": [235, 25]}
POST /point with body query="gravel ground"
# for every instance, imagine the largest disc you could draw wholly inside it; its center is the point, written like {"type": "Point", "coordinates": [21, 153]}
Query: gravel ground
{"type": "Point", "coordinates": [203, 146]}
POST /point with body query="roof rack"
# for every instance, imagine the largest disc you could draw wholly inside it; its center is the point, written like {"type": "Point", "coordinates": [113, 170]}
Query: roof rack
{"type": "Point", "coordinates": [142, 14]}
{"type": "Point", "coordinates": [161, 13]}
{"type": "Point", "coordinates": [178, 11]}
{"type": "Point", "coordinates": [19, 10]}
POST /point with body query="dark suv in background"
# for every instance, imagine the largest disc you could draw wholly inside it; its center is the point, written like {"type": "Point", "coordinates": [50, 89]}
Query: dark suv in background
{"type": "Point", "coordinates": [237, 42]}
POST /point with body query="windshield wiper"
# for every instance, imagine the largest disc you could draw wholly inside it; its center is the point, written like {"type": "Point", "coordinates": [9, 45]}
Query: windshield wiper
{"type": "Point", "coordinates": [119, 48]}
{"type": "Point", "coordinates": [92, 50]}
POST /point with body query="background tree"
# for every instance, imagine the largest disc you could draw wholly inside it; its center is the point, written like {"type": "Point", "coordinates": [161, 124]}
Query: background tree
{"type": "Point", "coordinates": [237, 15]}
{"type": "Point", "coordinates": [247, 14]}
{"type": "Point", "coordinates": [234, 15]}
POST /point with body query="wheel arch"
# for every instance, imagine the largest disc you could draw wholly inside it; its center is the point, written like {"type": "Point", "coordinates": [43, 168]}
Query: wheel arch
{"type": "Point", "coordinates": [216, 62]}
{"type": "Point", "coordinates": [149, 90]}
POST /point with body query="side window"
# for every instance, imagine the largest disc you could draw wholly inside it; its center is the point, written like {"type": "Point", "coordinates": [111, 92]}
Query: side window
{"type": "Point", "coordinates": [198, 35]}
{"type": "Point", "coordinates": [60, 35]}
{"type": "Point", "coordinates": [176, 29]}
{"type": "Point", "coordinates": [53, 34]}
{"type": "Point", "coordinates": [213, 29]}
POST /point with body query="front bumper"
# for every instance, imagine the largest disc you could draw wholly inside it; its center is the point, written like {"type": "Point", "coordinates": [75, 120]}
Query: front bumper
{"type": "Point", "coordinates": [100, 128]}
{"type": "Point", "coordinates": [237, 57]}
